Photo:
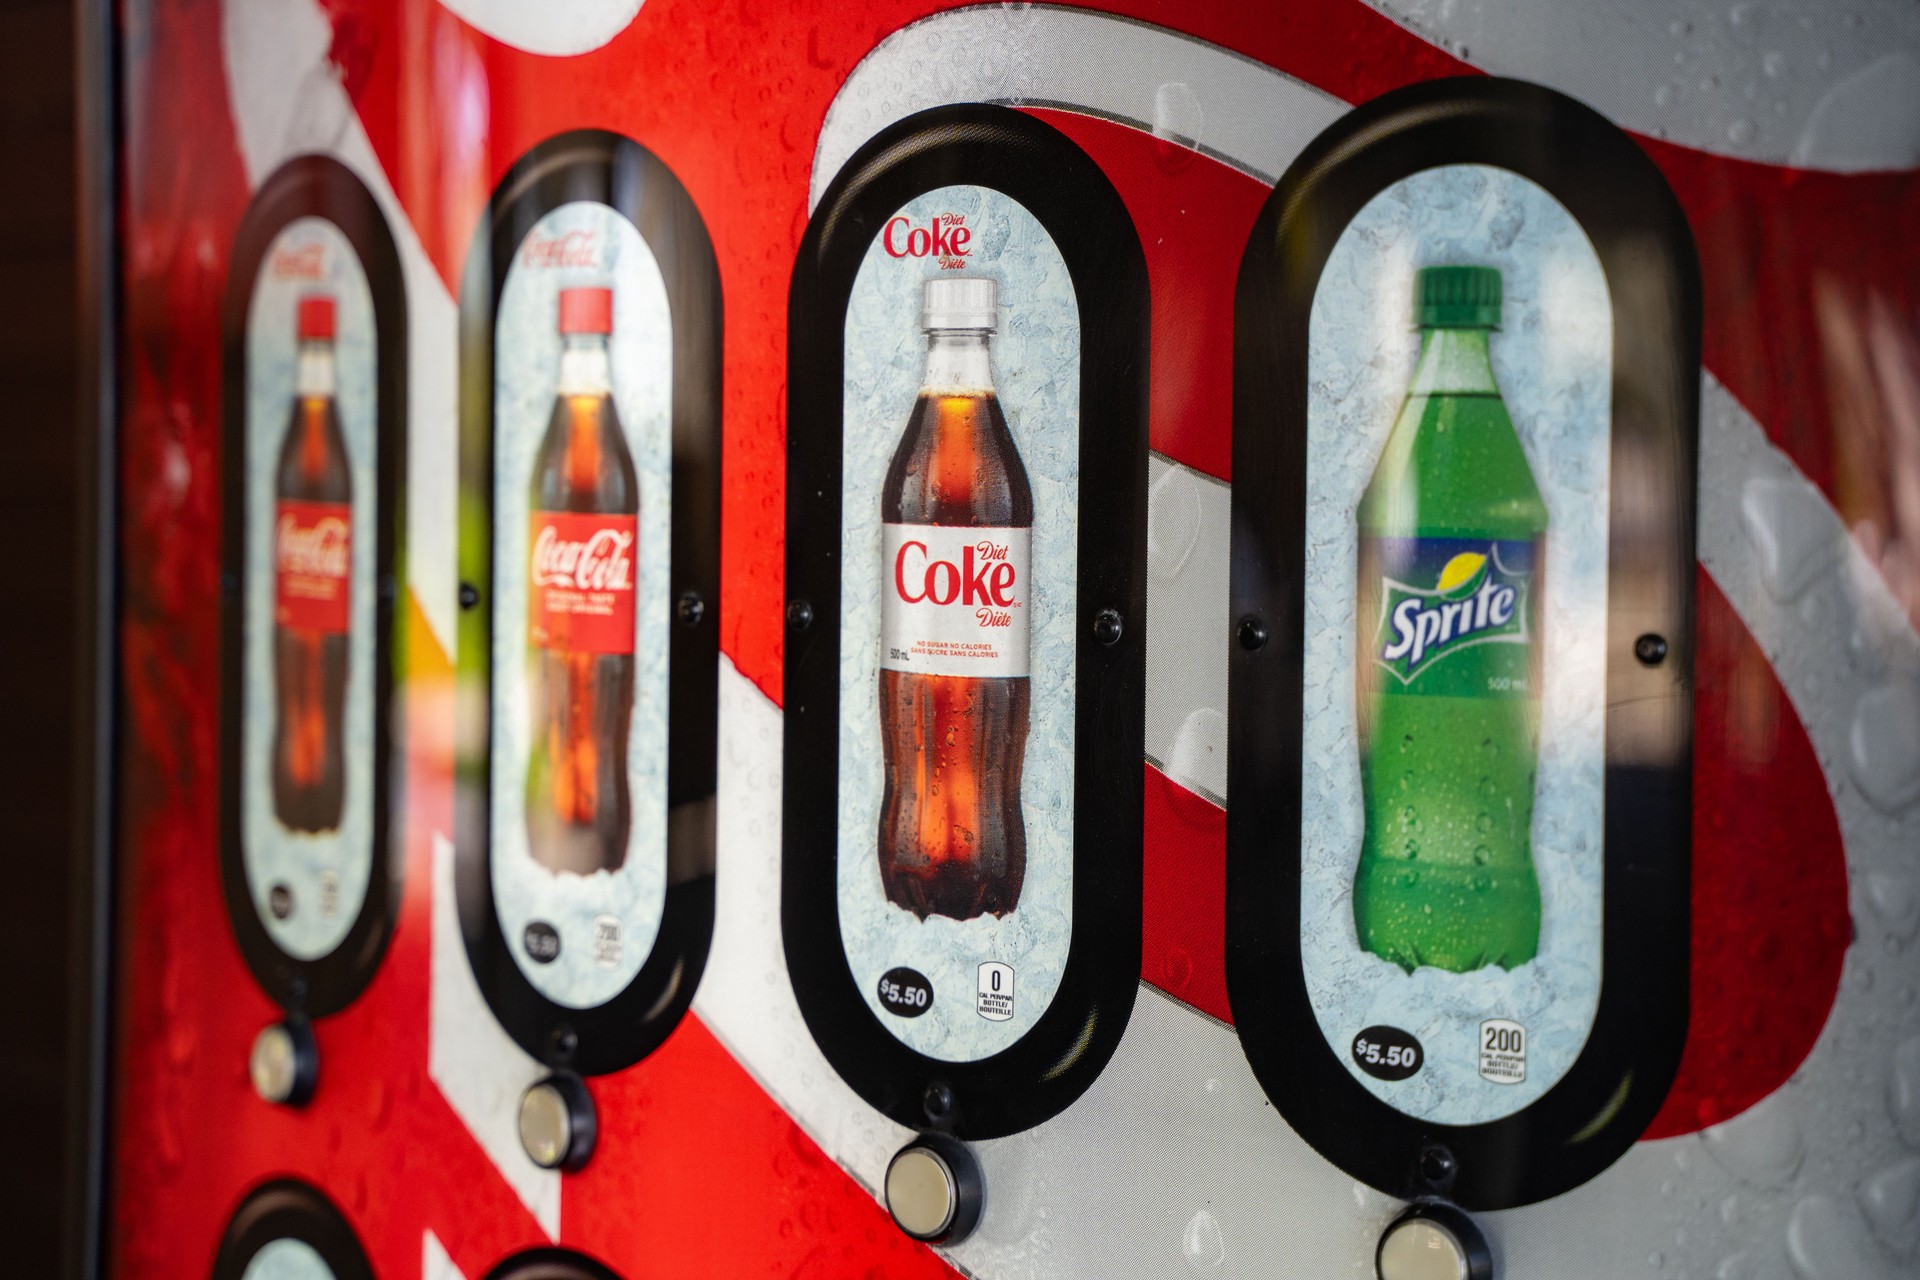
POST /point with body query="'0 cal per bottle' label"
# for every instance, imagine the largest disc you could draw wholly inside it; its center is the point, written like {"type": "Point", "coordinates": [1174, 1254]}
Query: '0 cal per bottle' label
{"type": "Point", "coordinates": [954, 600]}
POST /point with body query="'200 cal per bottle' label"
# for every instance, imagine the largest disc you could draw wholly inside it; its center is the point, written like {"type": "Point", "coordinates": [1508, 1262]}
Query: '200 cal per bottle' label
{"type": "Point", "coordinates": [954, 602]}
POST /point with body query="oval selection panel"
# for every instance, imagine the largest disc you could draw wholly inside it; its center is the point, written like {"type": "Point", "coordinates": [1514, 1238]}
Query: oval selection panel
{"type": "Point", "coordinates": [590, 446]}
{"type": "Point", "coordinates": [965, 664]}
{"type": "Point", "coordinates": [288, 1230]}
{"type": "Point", "coordinates": [315, 337]}
{"type": "Point", "coordinates": [1465, 430]}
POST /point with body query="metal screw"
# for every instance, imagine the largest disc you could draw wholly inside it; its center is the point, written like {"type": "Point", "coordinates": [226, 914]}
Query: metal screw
{"type": "Point", "coordinates": [1438, 1166]}
{"type": "Point", "coordinates": [938, 1103]}
{"type": "Point", "coordinates": [1253, 633]}
{"type": "Point", "coordinates": [690, 608]}
{"type": "Point", "coordinates": [1650, 649]}
{"type": "Point", "coordinates": [1107, 626]}
{"type": "Point", "coordinates": [799, 615]}
{"type": "Point", "coordinates": [469, 595]}
{"type": "Point", "coordinates": [564, 1041]}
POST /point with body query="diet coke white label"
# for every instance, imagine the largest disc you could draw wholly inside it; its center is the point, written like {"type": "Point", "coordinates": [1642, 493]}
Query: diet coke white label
{"type": "Point", "coordinates": [954, 601]}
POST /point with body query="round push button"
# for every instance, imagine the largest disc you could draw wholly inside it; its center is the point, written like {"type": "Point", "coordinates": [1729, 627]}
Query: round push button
{"type": "Point", "coordinates": [284, 1063]}
{"type": "Point", "coordinates": [557, 1122]}
{"type": "Point", "coordinates": [934, 1190]}
{"type": "Point", "coordinates": [1433, 1242]}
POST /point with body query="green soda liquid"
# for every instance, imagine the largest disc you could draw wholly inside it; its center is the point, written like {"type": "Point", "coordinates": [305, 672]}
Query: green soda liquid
{"type": "Point", "coordinates": [1452, 540]}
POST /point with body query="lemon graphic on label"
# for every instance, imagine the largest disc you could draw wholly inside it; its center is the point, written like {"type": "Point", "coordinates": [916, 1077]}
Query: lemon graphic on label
{"type": "Point", "coordinates": [1462, 575]}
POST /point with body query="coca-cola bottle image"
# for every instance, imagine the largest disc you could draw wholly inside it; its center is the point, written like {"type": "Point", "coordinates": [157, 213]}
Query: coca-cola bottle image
{"type": "Point", "coordinates": [582, 539]}
{"type": "Point", "coordinates": [954, 700]}
{"type": "Point", "coordinates": [313, 560]}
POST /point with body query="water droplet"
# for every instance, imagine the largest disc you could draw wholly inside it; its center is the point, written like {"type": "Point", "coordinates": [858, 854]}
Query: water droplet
{"type": "Point", "coordinates": [1406, 742]}
{"type": "Point", "coordinates": [1487, 788]}
{"type": "Point", "coordinates": [1177, 121]}
{"type": "Point", "coordinates": [1679, 29]}
{"type": "Point", "coordinates": [1481, 854]}
{"type": "Point", "coordinates": [1663, 96]}
{"type": "Point", "coordinates": [1410, 816]}
{"type": "Point", "coordinates": [1201, 1243]}
{"type": "Point", "coordinates": [1894, 903]}
{"type": "Point", "coordinates": [1774, 63]}
{"type": "Point", "coordinates": [1173, 523]}
{"type": "Point", "coordinates": [1824, 1242]}
{"type": "Point", "coordinates": [1903, 1090]}
{"type": "Point", "coordinates": [1483, 823]}
{"type": "Point", "coordinates": [1891, 1201]}
{"type": "Point", "coordinates": [1740, 132]}
{"type": "Point", "coordinates": [1762, 1146]}
{"type": "Point", "coordinates": [1884, 744]}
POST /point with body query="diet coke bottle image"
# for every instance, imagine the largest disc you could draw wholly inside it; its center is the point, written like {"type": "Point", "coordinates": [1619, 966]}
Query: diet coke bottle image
{"type": "Point", "coordinates": [313, 559]}
{"type": "Point", "coordinates": [582, 537]}
{"type": "Point", "coordinates": [957, 530]}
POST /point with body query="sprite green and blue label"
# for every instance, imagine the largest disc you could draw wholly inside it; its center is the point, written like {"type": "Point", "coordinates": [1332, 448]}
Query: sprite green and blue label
{"type": "Point", "coordinates": [1451, 542]}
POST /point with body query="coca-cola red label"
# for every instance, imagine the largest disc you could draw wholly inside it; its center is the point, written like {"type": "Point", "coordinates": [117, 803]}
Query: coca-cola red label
{"type": "Point", "coordinates": [313, 566]}
{"type": "Point", "coordinates": [581, 581]}
{"type": "Point", "coordinates": [955, 600]}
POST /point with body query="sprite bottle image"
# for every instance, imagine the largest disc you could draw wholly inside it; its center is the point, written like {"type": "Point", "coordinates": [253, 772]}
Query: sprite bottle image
{"type": "Point", "coordinates": [1451, 545]}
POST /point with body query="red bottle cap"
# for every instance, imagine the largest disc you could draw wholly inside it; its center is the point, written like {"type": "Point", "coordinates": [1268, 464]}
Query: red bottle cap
{"type": "Point", "coordinates": [586, 310]}
{"type": "Point", "coordinates": [315, 317]}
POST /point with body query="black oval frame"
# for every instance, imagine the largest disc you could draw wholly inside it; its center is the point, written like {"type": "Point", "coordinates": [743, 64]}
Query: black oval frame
{"type": "Point", "coordinates": [609, 169]}
{"type": "Point", "coordinates": [1040, 1074]}
{"type": "Point", "coordinates": [288, 1209]}
{"type": "Point", "coordinates": [314, 186]}
{"type": "Point", "coordinates": [552, 1263]}
{"type": "Point", "coordinates": [1611, 1092]}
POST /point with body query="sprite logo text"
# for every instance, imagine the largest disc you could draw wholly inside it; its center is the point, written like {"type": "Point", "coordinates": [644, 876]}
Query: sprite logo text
{"type": "Point", "coordinates": [1475, 601]}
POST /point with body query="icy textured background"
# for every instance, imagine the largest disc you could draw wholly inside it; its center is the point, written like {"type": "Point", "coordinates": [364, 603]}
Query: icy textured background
{"type": "Point", "coordinates": [287, 1259]}
{"type": "Point", "coordinates": [1036, 363]}
{"type": "Point", "coordinates": [526, 369]}
{"type": "Point", "coordinates": [1553, 358]}
{"type": "Point", "coordinates": [271, 853]}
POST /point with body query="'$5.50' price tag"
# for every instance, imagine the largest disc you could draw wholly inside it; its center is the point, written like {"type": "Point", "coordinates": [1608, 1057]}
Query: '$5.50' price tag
{"type": "Point", "coordinates": [1387, 1053]}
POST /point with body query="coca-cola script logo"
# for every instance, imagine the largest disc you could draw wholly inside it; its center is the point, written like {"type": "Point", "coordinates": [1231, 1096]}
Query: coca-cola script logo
{"type": "Point", "coordinates": [568, 249]}
{"type": "Point", "coordinates": [300, 262]}
{"type": "Point", "coordinates": [944, 238]}
{"type": "Point", "coordinates": [603, 561]}
{"type": "Point", "coordinates": [317, 550]}
{"type": "Point", "coordinates": [983, 580]}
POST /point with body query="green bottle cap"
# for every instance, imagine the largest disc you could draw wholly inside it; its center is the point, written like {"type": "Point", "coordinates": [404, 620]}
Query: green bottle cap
{"type": "Point", "coordinates": [1456, 297]}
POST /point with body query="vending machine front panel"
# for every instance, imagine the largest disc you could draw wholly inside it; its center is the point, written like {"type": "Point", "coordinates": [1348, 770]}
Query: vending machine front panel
{"type": "Point", "coordinates": [1464, 454]}
{"type": "Point", "coordinates": [315, 336]}
{"type": "Point", "coordinates": [590, 455]}
{"type": "Point", "coordinates": [966, 655]}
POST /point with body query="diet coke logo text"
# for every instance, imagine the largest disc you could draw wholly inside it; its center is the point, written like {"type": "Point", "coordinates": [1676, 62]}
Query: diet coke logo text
{"type": "Point", "coordinates": [317, 550]}
{"type": "Point", "coordinates": [300, 262]}
{"type": "Point", "coordinates": [983, 580]}
{"type": "Point", "coordinates": [601, 562]}
{"type": "Point", "coordinates": [944, 238]}
{"type": "Point", "coordinates": [568, 249]}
